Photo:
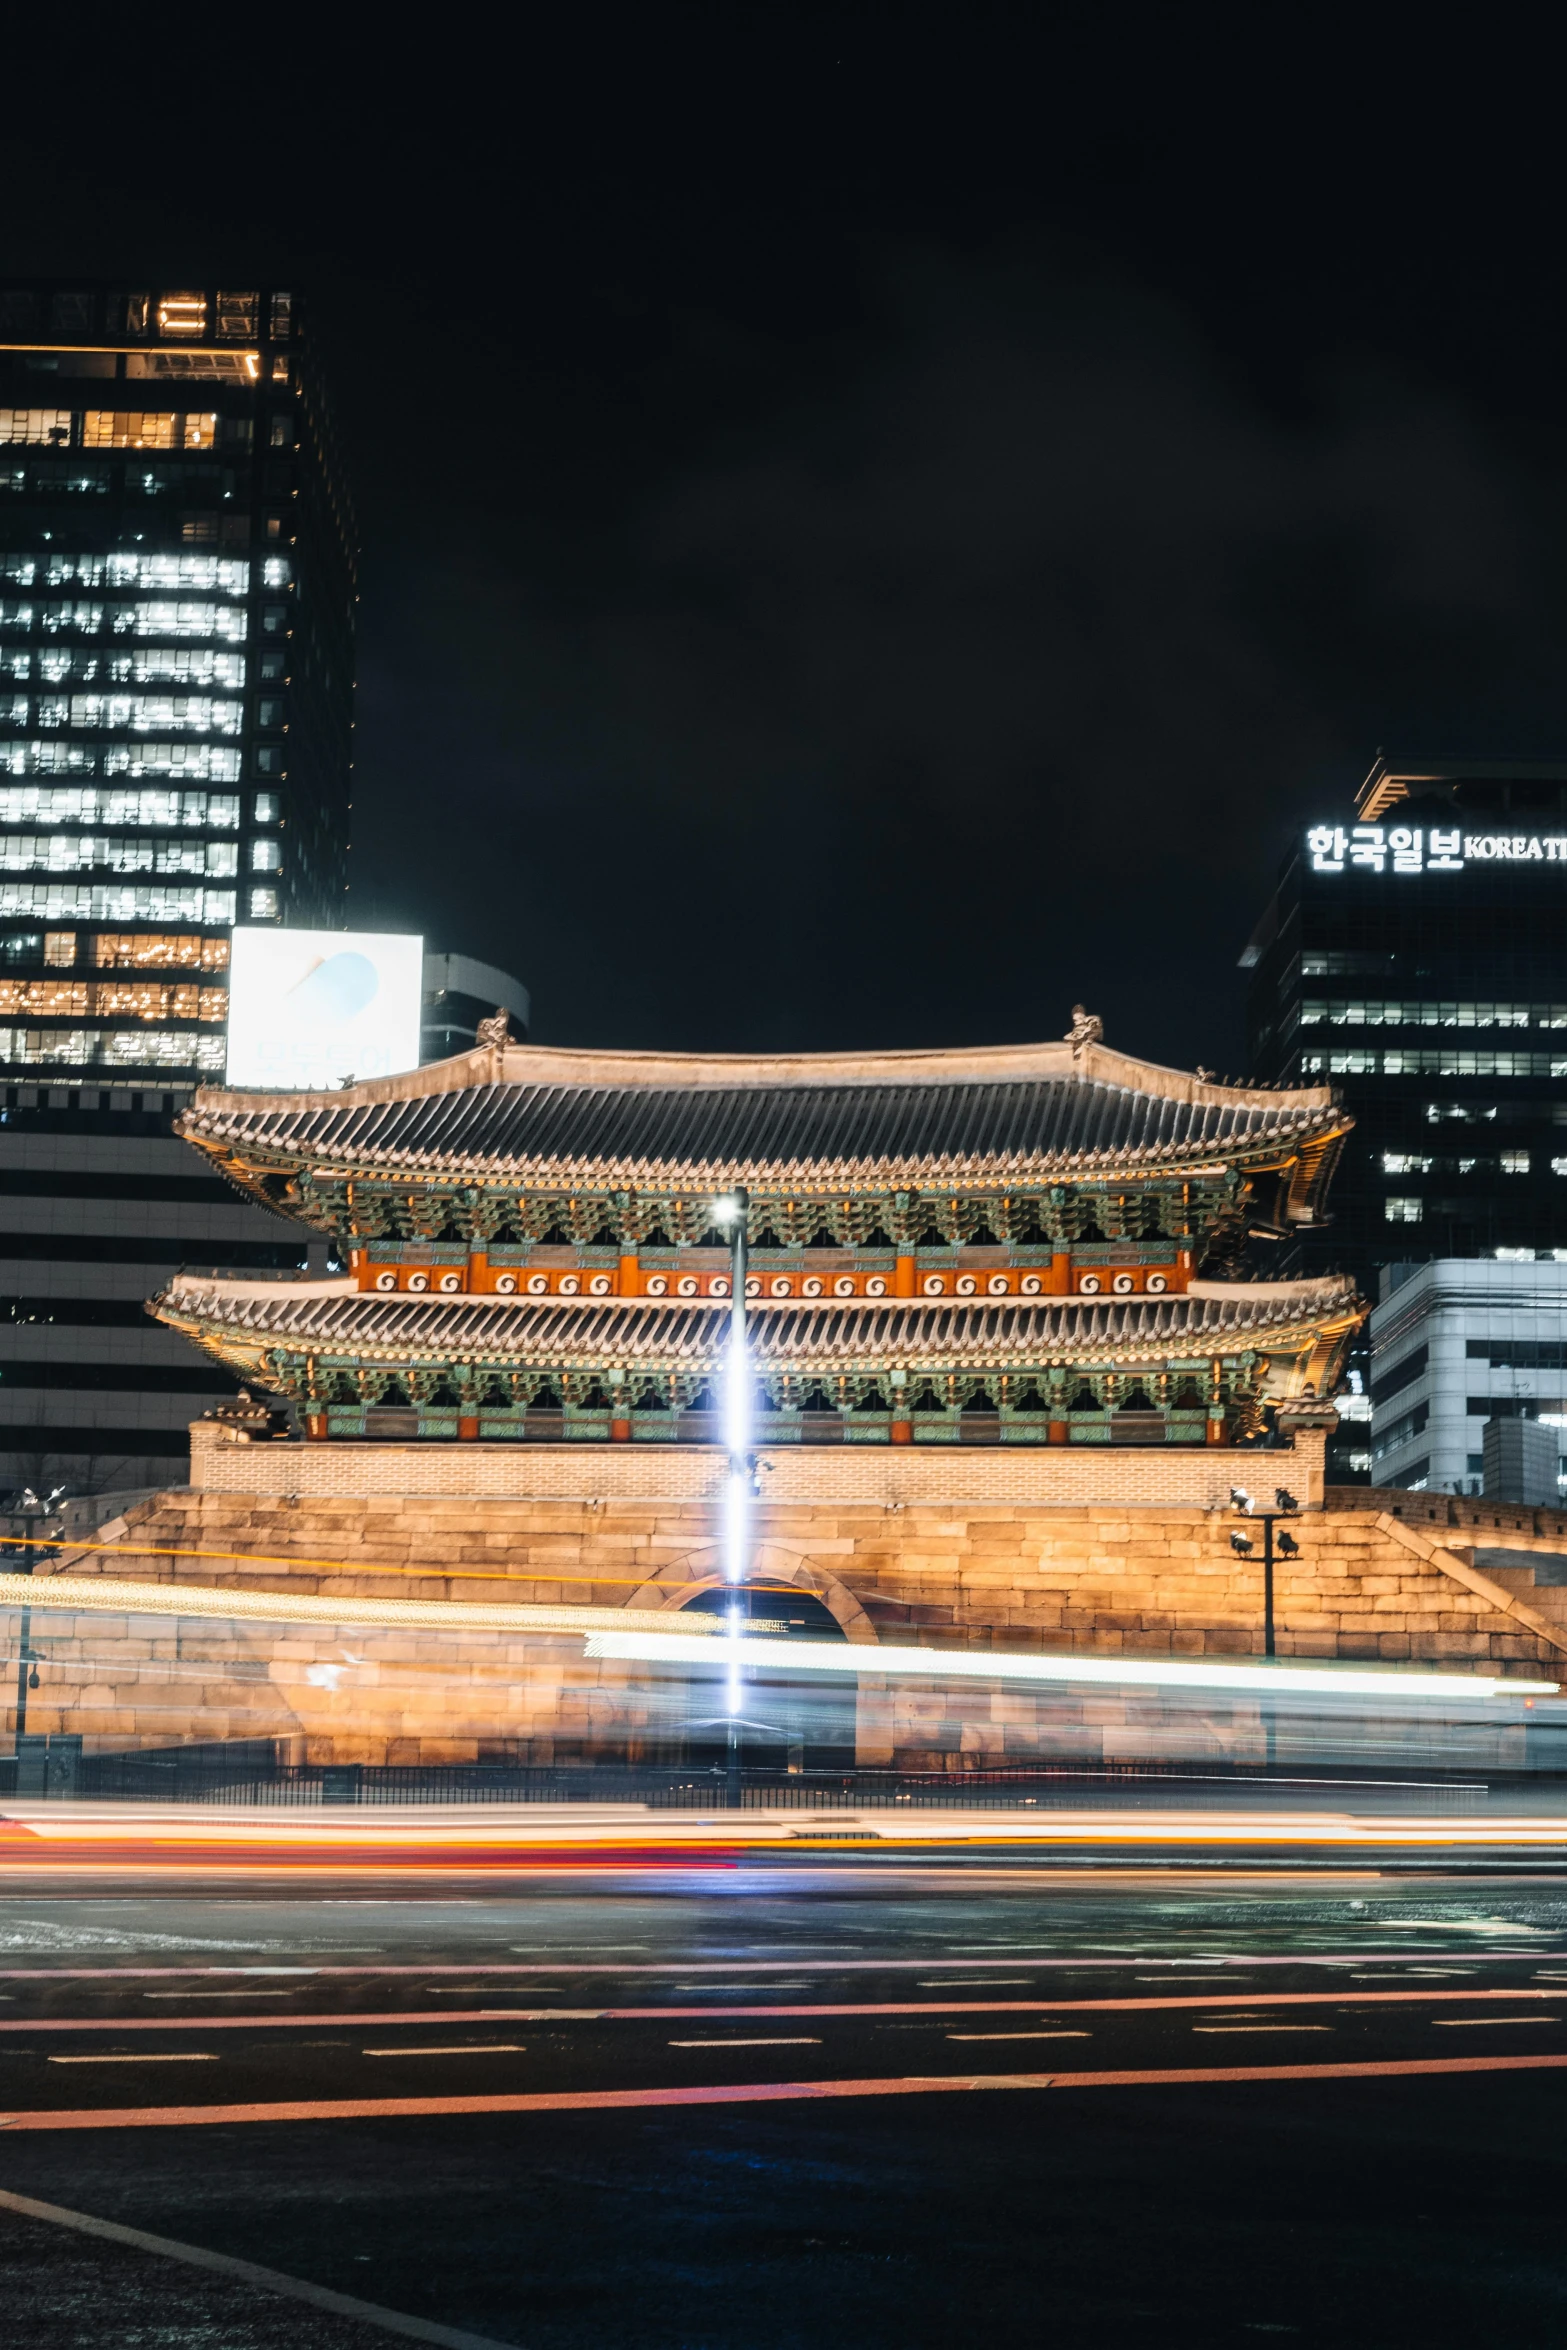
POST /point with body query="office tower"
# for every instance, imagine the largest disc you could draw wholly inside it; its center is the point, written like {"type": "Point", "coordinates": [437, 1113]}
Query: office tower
{"type": "Point", "coordinates": [177, 565]}
{"type": "Point", "coordinates": [1415, 956]}
{"type": "Point", "coordinates": [1462, 1347]}
{"type": "Point", "coordinates": [458, 994]}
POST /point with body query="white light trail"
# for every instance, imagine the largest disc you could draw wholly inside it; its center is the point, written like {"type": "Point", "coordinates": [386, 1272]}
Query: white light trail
{"type": "Point", "coordinates": [971, 1664]}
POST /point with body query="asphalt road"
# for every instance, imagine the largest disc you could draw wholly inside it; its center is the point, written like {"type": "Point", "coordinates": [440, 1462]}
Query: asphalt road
{"type": "Point", "coordinates": [729, 2110]}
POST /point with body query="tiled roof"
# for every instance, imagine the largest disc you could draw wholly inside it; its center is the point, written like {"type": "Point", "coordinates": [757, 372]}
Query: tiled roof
{"type": "Point", "coordinates": [653, 1333]}
{"type": "Point", "coordinates": [1014, 1128]}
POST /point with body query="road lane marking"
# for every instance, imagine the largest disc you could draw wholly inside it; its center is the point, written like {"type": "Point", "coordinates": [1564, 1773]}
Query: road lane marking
{"type": "Point", "coordinates": [1020, 2035]}
{"type": "Point", "coordinates": [150, 2056]}
{"type": "Point", "coordinates": [1462, 2023]}
{"type": "Point", "coordinates": [248, 2272]}
{"type": "Point", "coordinates": [252, 1993]}
{"type": "Point", "coordinates": [112, 2117]}
{"type": "Point", "coordinates": [1262, 2028]}
{"type": "Point", "coordinates": [469, 2048]}
{"type": "Point", "coordinates": [797, 2040]}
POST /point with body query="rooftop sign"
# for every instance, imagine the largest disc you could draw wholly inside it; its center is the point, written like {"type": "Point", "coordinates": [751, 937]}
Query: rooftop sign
{"type": "Point", "coordinates": [314, 1009]}
{"type": "Point", "coordinates": [1403, 848]}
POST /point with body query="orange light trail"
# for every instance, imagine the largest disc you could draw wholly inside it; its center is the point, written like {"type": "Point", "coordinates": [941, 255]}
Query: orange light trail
{"type": "Point", "coordinates": [755, 2093]}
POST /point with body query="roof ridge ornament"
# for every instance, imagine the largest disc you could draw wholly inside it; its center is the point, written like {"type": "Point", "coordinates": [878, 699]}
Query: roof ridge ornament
{"type": "Point", "coordinates": [1087, 1028]}
{"type": "Point", "coordinates": [496, 1030]}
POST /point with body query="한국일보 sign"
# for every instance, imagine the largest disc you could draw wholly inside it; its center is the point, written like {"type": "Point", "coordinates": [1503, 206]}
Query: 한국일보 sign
{"type": "Point", "coordinates": [310, 1009]}
{"type": "Point", "coordinates": [1415, 848]}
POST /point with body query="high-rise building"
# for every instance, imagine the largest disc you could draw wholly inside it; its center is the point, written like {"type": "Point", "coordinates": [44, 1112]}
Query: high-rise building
{"type": "Point", "coordinates": [1461, 1347]}
{"type": "Point", "coordinates": [1415, 956]}
{"type": "Point", "coordinates": [458, 994]}
{"type": "Point", "coordinates": [177, 587]}
{"type": "Point", "coordinates": [176, 666]}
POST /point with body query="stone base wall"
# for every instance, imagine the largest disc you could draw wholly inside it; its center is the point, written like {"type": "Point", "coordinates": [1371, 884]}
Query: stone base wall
{"type": "Point", "coordinates": [1101, 1576]}
{"type": "Point", "coordinates": [1045, 1476]}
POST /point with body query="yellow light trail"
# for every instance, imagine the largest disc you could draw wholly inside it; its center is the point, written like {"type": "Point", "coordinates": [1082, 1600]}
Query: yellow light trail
{"type": "Point", "coordinates": [255, 1558]}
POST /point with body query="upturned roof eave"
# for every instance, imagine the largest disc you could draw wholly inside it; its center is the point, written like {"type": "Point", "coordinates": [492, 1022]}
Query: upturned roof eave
{"type": "Point", "coordinates": [654, 1334]}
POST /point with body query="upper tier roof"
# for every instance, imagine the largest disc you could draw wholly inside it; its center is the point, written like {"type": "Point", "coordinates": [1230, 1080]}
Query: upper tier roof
{"type": "Point", "coordinates": [596, 1119]}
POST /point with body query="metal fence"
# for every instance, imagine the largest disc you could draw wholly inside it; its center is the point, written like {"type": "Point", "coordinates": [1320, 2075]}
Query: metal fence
{"type": "Point", "coordinates": [253, 1773]}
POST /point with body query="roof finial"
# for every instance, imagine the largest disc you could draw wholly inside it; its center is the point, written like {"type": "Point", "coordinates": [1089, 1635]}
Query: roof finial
{"type": "Point", "coordinates": [496, 1029]}
{"type": "Point", "coordinates": [1086, 1028]}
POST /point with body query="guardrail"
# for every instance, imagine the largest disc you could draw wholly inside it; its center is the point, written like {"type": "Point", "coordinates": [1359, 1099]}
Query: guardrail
{"type": "Point", "coordinates": [253, 1774]}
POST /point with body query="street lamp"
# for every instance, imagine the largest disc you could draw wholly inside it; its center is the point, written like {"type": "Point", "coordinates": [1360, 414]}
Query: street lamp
{"type": "Point", "coordinates": [32, 1512]}
{"type": "Point", "coordinates": [1285, 1506]}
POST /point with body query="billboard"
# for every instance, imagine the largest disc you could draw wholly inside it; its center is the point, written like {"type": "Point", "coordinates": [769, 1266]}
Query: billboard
{"type": "Point", "coordinates": [312, 1009]}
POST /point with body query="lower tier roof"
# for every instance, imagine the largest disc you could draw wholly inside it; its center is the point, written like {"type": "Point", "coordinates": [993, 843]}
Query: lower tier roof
{"type": "Point", "coordinates": [240, 1320]}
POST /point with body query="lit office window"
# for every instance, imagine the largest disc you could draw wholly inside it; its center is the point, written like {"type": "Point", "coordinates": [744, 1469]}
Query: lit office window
{"type": "Point", "coordinates": [176, 664]}
{"type": "Point", "coordinates": [141, 950]}
{"type": "Point", "coordinates": [60, 949]}
{"type": "Point", "coordinates": [57, 1048]}
{"type": "Point", "coordinates": [266, 856]}
{"type": "Point", "coordinates": [148, 999]}
{"type": "Point", "coordinates": [47, 759]}
{"type": "Point", "coordinates": [70, 619]}
{"type": "Point", "coordinates": [239, 316]}
{"type": "Point", "coordinates": [201, 762]}
{"type": "Point", "coordinates": [282, 317]}
{"type": "Point", "coordinates": [263, 905]}
{"type": "Point", "coordinates": [116, 901]}
{"type": "Point", "coordinates": [225, 621]}
{"type": "Point", "coordinates": [50, 427]}
{"type": "Point", "coordinates": [193, 713]}
{"type": "Point", "coordinates": [138, 428]}
{"type": "Point", "coordinates": [182, 314]}
{"type": "Point", "coordinates": [1515, 1162]}
{"type": "Point", "coordinates": [34, 803]}
{"type": "Point", "coordinates": [1403, 1211]}
{"type": "Point", "coordinates": [1350, 1013]}
{"type": "Point", "coordinates": [268, 807]}
{"type": "Point", "coordinates": [203, 366]}
{"type": "Point", "coordinates": [1404, 1163]}
{"type": "Point", "coordinates": [44, 999]}
{"type": "Point", "coordinates": [86, 852]}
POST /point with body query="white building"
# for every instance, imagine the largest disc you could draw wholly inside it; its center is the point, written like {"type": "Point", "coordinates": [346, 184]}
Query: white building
{"type": "Point", "coordinates": [1455, 1343]}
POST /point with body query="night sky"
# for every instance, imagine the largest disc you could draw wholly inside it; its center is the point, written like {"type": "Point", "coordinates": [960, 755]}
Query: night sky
{"type": "Point", "coordinates": [876, 522]}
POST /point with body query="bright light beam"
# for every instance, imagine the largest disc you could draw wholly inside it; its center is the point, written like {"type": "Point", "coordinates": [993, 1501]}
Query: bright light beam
{"type": "Point", "coordinates": [971, 1664]}
{"type": "Point", "coordinates": [733, 1211]}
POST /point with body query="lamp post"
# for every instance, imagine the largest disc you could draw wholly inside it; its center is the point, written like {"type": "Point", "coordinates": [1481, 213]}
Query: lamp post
{"type": "Point", "coordinates": [739, 1480]}
{"type": "Point", "coordinates": [32, 1512]}
{"type": "Point", "coordinates": [1288, 1548]}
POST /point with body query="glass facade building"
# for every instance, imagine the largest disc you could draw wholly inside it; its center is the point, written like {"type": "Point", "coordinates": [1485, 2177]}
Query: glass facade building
{"type": "Point", "coordinates": [177, 591]}
{"type": "Point", "coordinates": [177, 567]}
{"type": "Point", "coordinates": [1415, 956]}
